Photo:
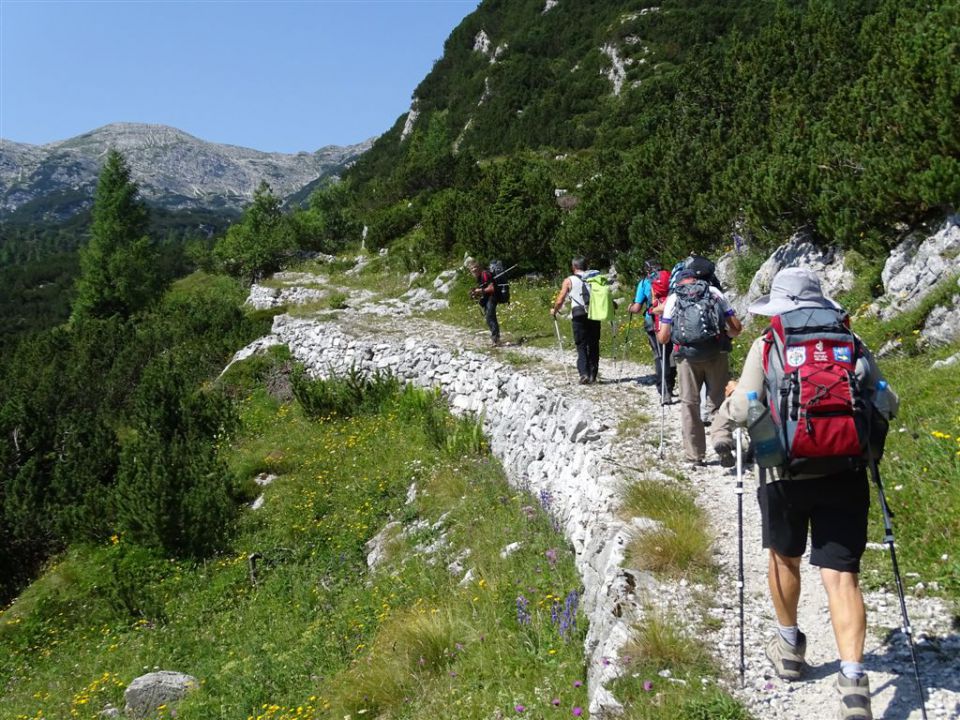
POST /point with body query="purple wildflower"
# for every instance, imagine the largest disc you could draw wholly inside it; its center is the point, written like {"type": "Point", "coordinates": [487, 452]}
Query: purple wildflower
{"type": "Point", "coordinates": [555, 702]}
{"type": "Point", "coordinates": [519, 708]}
{"type": "Point", "coordinates": [577, 683]}
{"type": "Point", "coordinates": [551, 555]}
{"type": "Point", "coordinates": [523, 614]}
{"type": "Point", "coordinates": [577, 711]}
{"type": "Point", "coordinates": [545, 499]}
{"type": "Point", "coordinates": [647, 686]}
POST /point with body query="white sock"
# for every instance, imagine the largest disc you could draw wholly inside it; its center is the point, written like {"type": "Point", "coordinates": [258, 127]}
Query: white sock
{"type": "Point", "coordinates": [852, 670]}
{"type": "Point", "coordinates": [790, 633]}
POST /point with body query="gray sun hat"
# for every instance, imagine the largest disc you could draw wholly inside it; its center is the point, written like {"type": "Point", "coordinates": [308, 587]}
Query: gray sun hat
{"type": "Point", "coordinates": [792, 288]}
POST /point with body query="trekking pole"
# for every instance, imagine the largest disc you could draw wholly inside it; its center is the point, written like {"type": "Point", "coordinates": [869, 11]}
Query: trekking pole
{"type": "Point", "coordinates": [626, 340]}
{"type": "Point", "coordinates": [505, 271]}
{"type": "Point", "coordinates": [889, 542]}
{"type": "Point", "coordinates": [556, 326]}
{"type": "Point", "coordinates": [663, 392]}
{"type": "Point", "coordinates": [740, 583]}
{"type": "Point", "coordinates": [613, 340]}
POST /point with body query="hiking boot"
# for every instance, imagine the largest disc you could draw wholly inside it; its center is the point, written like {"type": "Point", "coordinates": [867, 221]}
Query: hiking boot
{"type": "Point", "coordinates": [725, 451]}
{"type": "Point", "coordinates": [584, 380]}
{"type": "Point", "coordinates": [787, 659]}
{"type": "Point", "coordinates": [854, 698]}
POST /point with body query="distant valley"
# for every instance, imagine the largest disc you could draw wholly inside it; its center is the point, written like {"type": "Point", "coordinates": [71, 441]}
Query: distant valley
{"type": "Point", "coordinates": [175, 171]}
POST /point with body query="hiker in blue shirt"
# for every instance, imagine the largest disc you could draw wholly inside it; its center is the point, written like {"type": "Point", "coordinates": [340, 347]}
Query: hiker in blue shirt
{"type": "Point", "coordinates": [650, 297]}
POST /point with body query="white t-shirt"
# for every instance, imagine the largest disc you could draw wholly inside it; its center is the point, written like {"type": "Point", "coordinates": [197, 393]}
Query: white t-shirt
{"type": "Point", "coordinates": [670, 305]}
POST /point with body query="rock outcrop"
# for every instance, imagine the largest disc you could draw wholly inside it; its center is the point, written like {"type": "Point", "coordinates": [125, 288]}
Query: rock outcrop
{"type": "Point", "coordinates": [799, 251]}
{"type": "Point", "coordinates": [148, 692]}
{"type": "Point", "coordinates": [918, 265]}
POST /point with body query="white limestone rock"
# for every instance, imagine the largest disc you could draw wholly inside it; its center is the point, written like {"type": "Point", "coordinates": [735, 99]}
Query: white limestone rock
{"type": "Point", "coordinates": [377, 545]}
{"type": "Point", "coordinates": [942, 326]}
{"type": "Point", "coordinates": [917, 265]}
{"type": "Point", "coordinates": [481, 42]}
{"type": "Point", "coordinates": [148, 692]}
{"type": "Point", "coordinates": [799, 251]}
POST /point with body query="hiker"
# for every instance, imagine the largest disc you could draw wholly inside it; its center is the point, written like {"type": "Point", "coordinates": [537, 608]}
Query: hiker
{"type": "Point", "coordinates": [699, 321]}
{"type": "Point", "coordinates": [586, 332]}
{"type": "Point", "coordinates": [650, 296]}
{"type": "Point", "coordinates": [485, 294]}
{"type": "Point", "coordinates": [833, 505]}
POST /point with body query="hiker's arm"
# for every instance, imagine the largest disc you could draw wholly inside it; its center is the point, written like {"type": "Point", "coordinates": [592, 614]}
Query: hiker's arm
{"type": "Point", "coordinates": [639, 298]}
{"type": "Point", "coordinates": [734, 326]}
{"type": "Point", "coordinates": [564, 291]}
{"type": "Point", "coordinates": [751, 379]}
{"type": "Point", "coordinates": [666, 320]}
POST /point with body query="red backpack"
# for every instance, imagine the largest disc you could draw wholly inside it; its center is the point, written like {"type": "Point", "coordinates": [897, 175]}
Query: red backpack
{"type": "Point", "coordinates": [659, 289]}
{"type": "Point", "coordinates": [826, 421]}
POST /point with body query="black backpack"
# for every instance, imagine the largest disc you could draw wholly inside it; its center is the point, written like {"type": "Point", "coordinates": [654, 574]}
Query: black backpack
{"type": "Point", "coordinates": [501, 288]}
{"type": "Point", "coordinates": [697, 321]}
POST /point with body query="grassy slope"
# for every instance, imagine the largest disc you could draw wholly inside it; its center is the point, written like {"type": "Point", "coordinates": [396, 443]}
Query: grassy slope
{"type": "Point", "coordinates": [318, 633]}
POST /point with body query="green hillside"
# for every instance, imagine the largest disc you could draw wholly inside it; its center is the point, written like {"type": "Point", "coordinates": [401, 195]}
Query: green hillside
{"type": "Point", "coordinates": [833, 116]}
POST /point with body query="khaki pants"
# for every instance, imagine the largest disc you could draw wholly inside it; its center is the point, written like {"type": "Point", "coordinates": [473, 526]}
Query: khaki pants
{"type": "Point", "coordinates": [721, 430]}
{"type": "Point", "coordinates": [692, 375]}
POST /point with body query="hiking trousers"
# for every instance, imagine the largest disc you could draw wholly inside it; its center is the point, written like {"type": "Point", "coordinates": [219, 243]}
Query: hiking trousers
{"type": "Point", "coordinates": [692, 375]}
{"type": "Point", "coordinates": [662, 353]}
{"type": "Point", "coordinates": [586, 336]}
{"type": "Point", "coordinates": [490, 315]}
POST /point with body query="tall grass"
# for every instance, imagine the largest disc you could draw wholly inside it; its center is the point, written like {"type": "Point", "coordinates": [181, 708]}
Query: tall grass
{"type": "Point", "coordinates": [679, 546]}
{"type": "Point", "coordinates": [669, 673]}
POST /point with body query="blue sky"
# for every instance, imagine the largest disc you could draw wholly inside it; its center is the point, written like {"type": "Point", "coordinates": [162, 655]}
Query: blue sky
{"type": "Point", "coordinates": [281, 76]}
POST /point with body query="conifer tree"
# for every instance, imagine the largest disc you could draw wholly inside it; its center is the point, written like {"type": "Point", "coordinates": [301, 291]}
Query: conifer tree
{"type": "Point", "coordinates": [117, 267]}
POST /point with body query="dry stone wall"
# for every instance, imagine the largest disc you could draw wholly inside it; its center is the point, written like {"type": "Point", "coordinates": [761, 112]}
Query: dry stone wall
{"type": "Point", "coordinates": [546, 443]}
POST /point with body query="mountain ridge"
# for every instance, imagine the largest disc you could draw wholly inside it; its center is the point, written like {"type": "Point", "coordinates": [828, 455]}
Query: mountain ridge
{"type": "Point", "coordinates": [174, 170]}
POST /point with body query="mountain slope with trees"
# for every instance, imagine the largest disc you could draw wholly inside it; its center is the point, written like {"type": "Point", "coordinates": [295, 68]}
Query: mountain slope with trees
{"type": "Point", "coordinates": [669, 125]}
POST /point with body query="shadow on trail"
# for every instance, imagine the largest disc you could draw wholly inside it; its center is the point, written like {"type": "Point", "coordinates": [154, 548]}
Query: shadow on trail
{"type": "Point", "coordinates": [936, 657]}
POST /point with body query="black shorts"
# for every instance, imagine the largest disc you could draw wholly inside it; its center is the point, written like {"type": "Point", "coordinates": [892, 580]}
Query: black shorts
{"type": "Point", "coordinates": [833, 507]}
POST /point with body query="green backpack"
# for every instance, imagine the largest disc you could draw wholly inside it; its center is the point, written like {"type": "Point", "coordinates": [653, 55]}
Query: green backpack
{"type": "Point", "coordinates": [600, 306]}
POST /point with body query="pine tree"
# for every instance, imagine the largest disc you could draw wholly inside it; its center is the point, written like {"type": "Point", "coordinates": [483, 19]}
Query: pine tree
{"type": "Point", "coordinates": [117, 267]}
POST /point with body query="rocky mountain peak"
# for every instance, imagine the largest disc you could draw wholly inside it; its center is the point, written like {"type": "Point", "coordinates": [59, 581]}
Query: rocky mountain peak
{"type": "Point", "coordinates": [173, 168]}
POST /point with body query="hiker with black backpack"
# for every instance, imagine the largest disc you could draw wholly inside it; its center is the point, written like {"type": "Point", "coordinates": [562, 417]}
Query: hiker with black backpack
{"type": "Point", "coordinates": [485, 293]}
{"type": "Point", "coordinates": [698, 320]}
{"type": "Point", "coordinates": [586, 332]}
{"type": "Point", "coordinates": [649, 299]}
{"type": "Point", "coordinates": [809, 384]}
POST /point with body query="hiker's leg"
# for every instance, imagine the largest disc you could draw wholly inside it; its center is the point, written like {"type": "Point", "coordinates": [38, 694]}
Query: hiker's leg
{"type": "Point", "coordinates": [847, 612]}
{"type": "Point", "coordinates": [491, 316]}
{"type": "Point", "coordinates": [785, 516]}
{"type": "Point", "coordinates": [671, 366]}
{"type": "Point", "coordinates": [656, 349]}
{"type": "Point", "coordinates": [594, 327]}
{"type": "Point", "coordinates": [783, 577]}
{"type": "Point", "coordinates": [694, 442]}
{"type": "Point", "coordinates": [717, 375]}
{"type": "Point", "coordinates": [580, 340]}
{"type": "Point", "coordinates": [721, 432]}
{"type": "Point", "coordinates": [838, 538]}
